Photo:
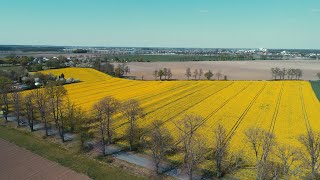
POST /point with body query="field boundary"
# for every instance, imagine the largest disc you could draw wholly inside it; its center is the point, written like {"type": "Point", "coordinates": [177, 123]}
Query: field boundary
{"type": "Point", "coordinates": [305, 115]}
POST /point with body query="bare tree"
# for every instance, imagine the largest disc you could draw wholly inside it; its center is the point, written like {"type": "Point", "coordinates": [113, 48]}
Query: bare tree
{"type": "Point", "coordinates": [56, 95]}
{"type": "Point", "coordinates": [219, 75]}
{"type": "Point", "coordinates": [99, 109]}
{"type": "Point", "coordinates": [155, 74]}
{"type": "Point", "coordinates": [195, 74]}
{"type": "Point", "coordinates": [17, 105]}
{"type": "Point", "coordinates": [298, 73]}
{"type": "Point", "coordinates": [126, 70]}
{"type": "Point", "coordinates": [160, 73]}
{"type": "Point", "coordinates": [261, 143]}
{"type": "Point", "coordinates": [188, 73]}
{"type": "Point", "coordinates": [41, 104]}
{"type": "Point", "coordinates": [195, 154]}
{"type": "Point", "coordinates": [159, 141]}
{"type": "Point", "coordinates": [192, 143]}
{"type": "Point", "coordinates": [284, 72]}
{"type": "Point", "coordinates": [287, 155]}
{"type": "Point", "coordinates": [5, 86]}
{"type": "Point", "coordinates": [318, 75]}
{"type": "Point", "coordinates": [220, 149]}
{"type": "Point", "coordinates": [275, 72]}
{"type": "Point", "coordinates": [290, 73]}
{"type": "Point", "coordinates": [169, 74]}
{"type": "Point", "coordinates": [311, 143]}
{"type": "Point", "coordinates": [4, 103]}
{"type": "Point", "coordinates": [67, 116]}
{"type": "Point", "coordinates": [71, 114]}
{"type": "Point", "coordinates": [165, 73]}
{"type": "Point", "coordinates": [29, 108]}
{"type": "Point", "coordinates": [110, 106]}
{"type": "Point", "coordinates": [200, 73]}
{"type": "Point", "coordinates": [132, 111]}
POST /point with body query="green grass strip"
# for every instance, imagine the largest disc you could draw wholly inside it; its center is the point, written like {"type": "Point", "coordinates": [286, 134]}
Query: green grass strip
{"type": "Point", "coordinates": [316, 88]}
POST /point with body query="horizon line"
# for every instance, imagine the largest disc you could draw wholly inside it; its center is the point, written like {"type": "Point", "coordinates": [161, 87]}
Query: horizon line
{"type": "Point", "coordinates": [173, 47]}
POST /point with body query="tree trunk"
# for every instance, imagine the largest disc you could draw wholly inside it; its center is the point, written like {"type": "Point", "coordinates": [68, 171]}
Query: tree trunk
{"type": "Point", "coordinates": [45, 124]}
{"type": "Point", "coordinates": [108, 129]}
{"type": "Point", "coordinates": [61, 130]}
{"type": "Point", "coordinates": [131, 134]}
{"type": "Point", "coordinates": [218, 168]}
{"type": "Point", "coordinates": [32, 124]}
{"type": "Point", "coordinates": [5, 114]}
{"type": "Point", "coordinates": [102, 138]}
{"type": "Point", "coordinates": [18, 120]}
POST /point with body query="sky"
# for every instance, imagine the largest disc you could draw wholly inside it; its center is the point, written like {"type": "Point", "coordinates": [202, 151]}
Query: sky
{"type": "Point", "coordinates": [162, 23]}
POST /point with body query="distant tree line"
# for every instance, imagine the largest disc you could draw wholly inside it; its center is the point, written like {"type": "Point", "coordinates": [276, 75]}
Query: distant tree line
{"type": "Point", "coordinates": [80, 51]}
{"type": "Point", "coordinates": [121, 70]}
{"type": "Point", "coordinates": [284, 73]}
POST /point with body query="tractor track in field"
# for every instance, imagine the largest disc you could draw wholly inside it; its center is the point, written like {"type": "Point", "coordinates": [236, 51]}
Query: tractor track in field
{"type": "Point", "coordinates": [86, 88]}
{"type": "Point", "coordinates": [223, 105]}
{"type": "Point", "coordinates": [184, 90]}
{"type": "Point", "coordinates": [276, 111]}
{"type": "Point", "coordinates": [103, 91]}
{"type": "Point", "coordinates": [176, 115]}
{"type": "Point", "coordinates": [180, 98]}
{"type": "Point", "coordinates": [164, 92]}
{"type": "Point", "coordinates": [240, 119]}
{"type": "Point", "coordinates": [226, 102]}
{"type": "Point", "coordinates": [304, 110]}
{"type": "Point", "coordinates": [91, 100]}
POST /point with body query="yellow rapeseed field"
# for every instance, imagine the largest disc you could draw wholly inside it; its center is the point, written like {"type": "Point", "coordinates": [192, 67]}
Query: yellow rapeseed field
{"type": "Point", "coordinates": [282, 107]}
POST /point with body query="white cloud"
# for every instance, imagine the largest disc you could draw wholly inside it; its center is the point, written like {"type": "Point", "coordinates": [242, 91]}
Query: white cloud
{"type": "Point", "coordinates": [315, 10]}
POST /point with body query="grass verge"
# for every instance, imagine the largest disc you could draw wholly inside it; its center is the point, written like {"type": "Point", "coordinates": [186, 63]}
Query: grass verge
{"type": "Point", "coordinates": [75, 161]}
{"type": "Point", "coordinates": [316, 88]}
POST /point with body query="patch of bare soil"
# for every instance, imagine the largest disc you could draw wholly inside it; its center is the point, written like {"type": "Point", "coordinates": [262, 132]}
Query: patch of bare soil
{"type": "Point", "coordinates": [234, 70]}
{"type": "Point", "coordinates": [18, 163]}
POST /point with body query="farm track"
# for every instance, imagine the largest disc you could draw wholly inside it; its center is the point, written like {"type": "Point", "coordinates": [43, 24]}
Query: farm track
{"type": "Point", "coordinates": [173, 117]}
{"type": "Point", "coordinates": [238, 122]}
{"type": "Point", "coordinates": [305, 115]}
{"type": "Point", "coordinates": [226, 102]}
{"type": "Point", "coordinates": [223, 105]}
{"type": "Point", "coordinates": [102, 90]}
{"type": "Point", "coordinates": [95, 86]}
{"type": "Point", "coordinates": [182, 111]}
{"type": "Point", "coordinates": [91, 100]}
{"type": "Point", "coordinates": [164, 92]}
{"type": "Point", "coordinates": [195, 90]}
{"type": "Point", "coordinates": [275, 114]}
{"type": "Point", "coordinates": [184, 91]}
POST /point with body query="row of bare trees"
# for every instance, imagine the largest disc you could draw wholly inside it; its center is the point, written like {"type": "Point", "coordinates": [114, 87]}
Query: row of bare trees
{"type": "Point", "coordinates": [197, 74]}
{"type": "Point", "coordinates": [275, 160]}
{"type": "Point", "coordinates": [107, 108]}
{"type": "Point", "coordinates": [49, 105]}
{"type": "Point", "coordinates": [165, 72]}
{"type": "Point", "coordinates": [284, 73]}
